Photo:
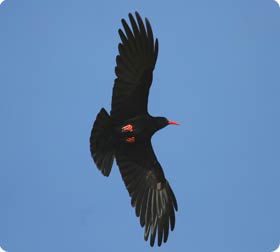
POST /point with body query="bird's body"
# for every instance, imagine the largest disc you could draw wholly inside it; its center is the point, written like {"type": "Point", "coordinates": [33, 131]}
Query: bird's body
{"type": "Point", "coordinates": [126, 133]}
{"type": "Point", "coordinates": [140, 128]}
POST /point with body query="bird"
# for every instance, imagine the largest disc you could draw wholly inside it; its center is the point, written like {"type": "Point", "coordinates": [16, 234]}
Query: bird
{"type": "Point", "coordinates": [125, 134]}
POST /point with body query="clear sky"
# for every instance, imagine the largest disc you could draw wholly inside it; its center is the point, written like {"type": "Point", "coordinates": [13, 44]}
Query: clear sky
{"type": "Point", "coordinates": [218, 74]}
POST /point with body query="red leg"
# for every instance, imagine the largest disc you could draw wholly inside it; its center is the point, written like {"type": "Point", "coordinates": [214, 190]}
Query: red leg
{"type": "Point", "coordinates": [130, 140]}
{"type": "Point", "coordinates": [127, 128]}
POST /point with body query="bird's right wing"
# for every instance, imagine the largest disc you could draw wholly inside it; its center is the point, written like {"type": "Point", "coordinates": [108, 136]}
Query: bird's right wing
{"type": "Point", "coordinates": [135, 64]}
{"type": "Point", "coordinates": [150, 193]}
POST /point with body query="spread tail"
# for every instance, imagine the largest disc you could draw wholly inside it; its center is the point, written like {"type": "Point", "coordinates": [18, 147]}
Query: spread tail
{"type": "Point", "coordinates": [102, 143]}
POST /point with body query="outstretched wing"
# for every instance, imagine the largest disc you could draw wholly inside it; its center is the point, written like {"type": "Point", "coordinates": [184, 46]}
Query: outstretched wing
{"type": "Point", "coordinates": [135, 64]}
{"type": "Point", "coordinates": [150, 193]}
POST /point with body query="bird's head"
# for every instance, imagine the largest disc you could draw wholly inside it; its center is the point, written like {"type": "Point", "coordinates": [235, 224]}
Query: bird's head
{"type": "Point", "coordinates": [163, 122]}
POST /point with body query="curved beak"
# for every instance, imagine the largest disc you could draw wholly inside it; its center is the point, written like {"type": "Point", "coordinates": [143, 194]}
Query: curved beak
{"type": "Point", "coordinates": [172, 122]}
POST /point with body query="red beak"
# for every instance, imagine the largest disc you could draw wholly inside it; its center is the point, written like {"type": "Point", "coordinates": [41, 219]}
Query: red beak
{"type": "Point", "coordinates": [172, 122]}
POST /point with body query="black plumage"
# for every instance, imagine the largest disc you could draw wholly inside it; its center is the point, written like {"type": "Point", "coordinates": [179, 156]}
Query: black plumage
{"type": "Point", "coordinates": [126, 133]}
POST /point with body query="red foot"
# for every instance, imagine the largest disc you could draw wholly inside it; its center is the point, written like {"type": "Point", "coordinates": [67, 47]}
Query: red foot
{"type": "Point", "coordinates": [127, 128]}
{"type": "Point", "coordinates": [130, 140]}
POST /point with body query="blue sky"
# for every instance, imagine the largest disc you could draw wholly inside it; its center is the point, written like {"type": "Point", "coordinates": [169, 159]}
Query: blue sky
{"type": "Point", "coordinates": [217, 74]}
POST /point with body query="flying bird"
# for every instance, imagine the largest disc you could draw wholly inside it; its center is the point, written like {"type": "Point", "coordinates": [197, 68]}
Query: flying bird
{"type": "Point", "coordinates": [125, 134]}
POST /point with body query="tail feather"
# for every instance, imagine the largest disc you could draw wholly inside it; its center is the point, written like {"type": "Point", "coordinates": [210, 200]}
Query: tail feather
{"type": "Point", "coordinates": [102, 143]}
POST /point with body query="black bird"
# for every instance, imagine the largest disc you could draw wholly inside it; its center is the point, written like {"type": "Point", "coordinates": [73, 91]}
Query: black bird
{"type": "Point", "coordinates": [126, 133]}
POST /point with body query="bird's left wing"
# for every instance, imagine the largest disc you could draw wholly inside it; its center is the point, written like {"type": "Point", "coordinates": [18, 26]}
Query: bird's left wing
{"type": "Point", "coordinates": [135, 64]}
{"type": "Point", "coordinates": [150, 193]}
